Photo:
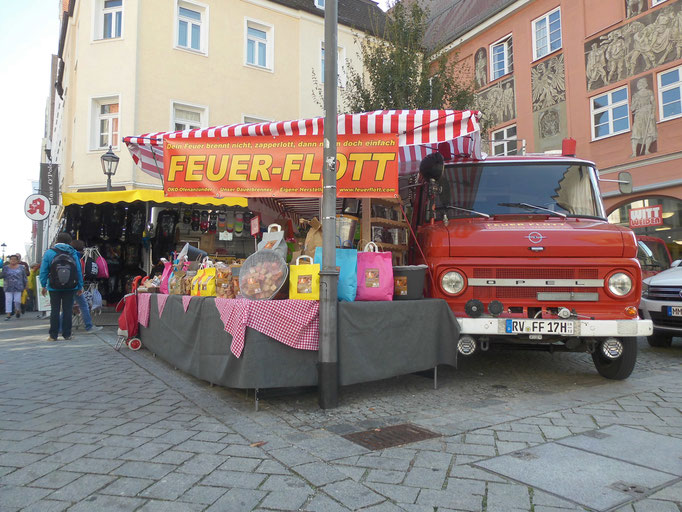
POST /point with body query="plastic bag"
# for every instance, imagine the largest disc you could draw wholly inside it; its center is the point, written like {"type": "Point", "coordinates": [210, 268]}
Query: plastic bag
{"type": "Point", "coordinates": [262, 275]}
{"type": "Point", "coordinates": [96, 297]}
{"type": "Point", "coordinates": [274, 241]}
{"type": "Point", "coordinates": [165, 277]}
{"type": "Point", "coordinates": [375, 274]}
{"type": "Point", "coordinates": [304, 282]}
{"type": "Point", "coordinates": [347, 263]}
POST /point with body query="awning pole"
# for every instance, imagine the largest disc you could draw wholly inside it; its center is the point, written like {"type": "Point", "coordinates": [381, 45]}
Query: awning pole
{"type": "Point", "coordinates": [328, 360]}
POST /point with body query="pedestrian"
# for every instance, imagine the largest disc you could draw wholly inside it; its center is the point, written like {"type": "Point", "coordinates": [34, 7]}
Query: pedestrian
{"type": "Point", "coordinates": [27, 269]}
{"type": "Point", "coordinates": [32, 287]}
{"type": "Point", "coordinates": [81, 301]}
{"type": "Point", "coordinates": [15, 283]}
{"type": "Point", "coordinates": [61, 275]}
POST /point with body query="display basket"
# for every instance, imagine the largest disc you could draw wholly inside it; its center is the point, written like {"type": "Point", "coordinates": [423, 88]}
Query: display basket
{"type": "Point", "coordinates": [263, 275]}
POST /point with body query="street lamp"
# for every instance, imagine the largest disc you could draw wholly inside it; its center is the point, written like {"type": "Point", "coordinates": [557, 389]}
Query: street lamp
{"type": "Point", "coordinates": [3, 245]}
{"type": "Point", "coordinates": [109, 165]}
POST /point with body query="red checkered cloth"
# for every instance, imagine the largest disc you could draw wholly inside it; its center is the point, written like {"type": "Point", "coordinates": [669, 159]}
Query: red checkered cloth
{"type": "Point", "coordinates": [161, 299]}
{"type": "Point", "coordinates": [143, 301]}
{"type": "Point", "coordinates": [292, 322]}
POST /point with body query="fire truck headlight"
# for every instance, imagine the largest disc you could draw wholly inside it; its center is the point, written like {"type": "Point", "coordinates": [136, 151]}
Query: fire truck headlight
{"type": "Point", "coordinates": [452, 282]}
{"type": "Point", "coordinates": [620, 284]}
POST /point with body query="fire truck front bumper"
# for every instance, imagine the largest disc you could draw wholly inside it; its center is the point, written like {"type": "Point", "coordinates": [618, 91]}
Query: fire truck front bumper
{"type": "Point", "coordinates": [542, 328]}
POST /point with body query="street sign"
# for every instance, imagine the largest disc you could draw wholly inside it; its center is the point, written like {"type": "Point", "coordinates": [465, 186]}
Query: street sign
{"type": "Point", "coordinates": [37, 207]}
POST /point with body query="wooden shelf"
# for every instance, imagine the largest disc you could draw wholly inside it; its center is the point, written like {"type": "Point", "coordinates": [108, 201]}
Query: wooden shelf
{"type": "Point", "coordinates": [387, 202]}
{"type": "Point", "coordinates": [388, 223]}
{"type": "Point", "coordinates": [391, 247]}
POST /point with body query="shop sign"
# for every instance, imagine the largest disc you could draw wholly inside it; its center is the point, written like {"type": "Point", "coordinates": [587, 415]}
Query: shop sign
{"type": "Point", "coordinates": [37, 207]}
{"type": "Point", "coordinates": [255, 225]}
{"type": "Point", "coordinates": [282, 166]}
{"type": "Point", "coordinates": [49, 181]}
{"type": "Point", "coordinates": [647, 216]}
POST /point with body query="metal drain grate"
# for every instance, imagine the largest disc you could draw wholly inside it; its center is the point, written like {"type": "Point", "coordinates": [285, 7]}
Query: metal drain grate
{"type": "Point", "coordinates": [631, 489]}
{"type": "Point", "coordinates": [388, 437]}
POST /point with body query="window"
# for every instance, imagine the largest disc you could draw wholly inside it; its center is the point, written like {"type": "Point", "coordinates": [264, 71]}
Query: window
{"type": "Point", "coordinates": [610, 113]}
{"type": "Point", "coordinates": [192, 26]}
{"type": "Point", "coordinates": [319, 4]}
{"type": "Point", "coordinates": [105, 113]}
{"type": "Point", "coordinates": [547, 34]}
{"type": "Point", "coordinates": [339, 66]}
{"type": "Point", "coordinates": [501, 58]}
{"type": "Point", "coordinates": [669, 94]}
{"type": "Point", "coordinates": [504, 141]}
{"type": "Point", "coordinates": [188, 117]}
{"type": "Point", "coordinates": [656, 2]}
{"type": "Point", "coordinates": [251, 119]}
{"type": "Point", "coordinates": [108, 19]}
{"type": "Point", "coordinates": [259, 44]}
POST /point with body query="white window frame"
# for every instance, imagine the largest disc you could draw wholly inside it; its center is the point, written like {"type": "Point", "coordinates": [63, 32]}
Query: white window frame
{"type": "Point", "coordinates": [319, 4]}
{"type": "Point", "coordinates": [340, 60]}
{"type": "Point", "coordinates": [610, 107]}
{"type": "Point", "coordinates": [95, 118]}
{"type": "Point", "coordinates": [202, 110]}
{"type": "Point", "coordinates": [99, 12]}
{"type": "Point", "coordinates": [248, 119]}
{"type": "Point", "coordinates": [654, 3]}
{"type": "Point", "coordinates": [664, 88]}
{"type": "Point", "coordinates": [269, 44]}
{"type": "Point", "coordinates": [203, 9]}
{"type": "Point", "coordinates": [508, 44]}
{"type": "Point", "coordinates": [506, 139]}
{"type": "Point", "coordinates": [546, 16]}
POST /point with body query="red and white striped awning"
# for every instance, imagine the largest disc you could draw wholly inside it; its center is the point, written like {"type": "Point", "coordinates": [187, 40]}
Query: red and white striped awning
{"type": "Point", "coordinates": [419, 133]}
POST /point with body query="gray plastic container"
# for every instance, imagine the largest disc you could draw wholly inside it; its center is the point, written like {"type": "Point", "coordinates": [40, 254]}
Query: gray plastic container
{"type": "Point", "coordinates": [408, 282]}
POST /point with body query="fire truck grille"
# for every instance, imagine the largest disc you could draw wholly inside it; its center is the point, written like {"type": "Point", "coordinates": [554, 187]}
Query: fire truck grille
{"type": "Point", "coordinates": [535, 273]}
{"type": "Point", "coordinates": [518, 292]}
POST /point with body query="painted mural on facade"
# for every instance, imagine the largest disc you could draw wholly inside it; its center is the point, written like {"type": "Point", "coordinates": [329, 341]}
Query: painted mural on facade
{"type": "Point", "coordinates": [644, 134]}
{"type": "Point", "coordinates": [498, 102]}
{"type": "Point", "coordinates": [650, 41]}
{"type": "Point", "coordinates": [635, 7]}
{"type": "Point", "coordinates": [481, 68]}
{"type": "Point", "coordinates": [549, 103]}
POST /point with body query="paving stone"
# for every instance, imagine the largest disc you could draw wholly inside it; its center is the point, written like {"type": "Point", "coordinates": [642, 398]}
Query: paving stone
{"type": "Point", "coordinates": [81, 488]}
{"type": "Point", "coordinates": [468, 472]}
{"type": "Point", "coordinates": [353, 472]}
{"type": "Point", "coordinates": [292, 456]}
{"type": "Point", "coordinates": [508, 447]}
{"type": "Point", "coordinates": [104, 503]}
{"type": "Point", "coordinates": [655, 506]}
{"type": "Point", "coordinates": [272, 467]}
{"type": "Point", "coordinates": [457, 486]}
{"type": "Point", "coordinates": [19, 460]}
{"type": "Point", "coordinates": [47, 506]}
{"type": "Point", "coordinates": [109, 452]}
{"type": "Point", "coordinates": [283, 483]}
{"type": "Point", "coordinates": [520, 437]}
{"type": "Point", "coordinates": [425, 478]}
{"type": "Point", "coordinates": [376, 462]}
{"type": "Point", "coordinates": [352, 494]}
{"type": "Point", "coordinates": [503, 497]}
{"type": "Point", "coordinates": [480, 439]}
{"type": "Point", "coordinates": [126, 486]}
{"type": "Point", "coordinates": [29, 473]}
{"type": "Point", "coordinates": [385, 476]}
{"type": "Point", "coordinates": [448, 499]}
{"type": "Point", "coordinates": [203, 494]}
{"type": "Point", "coordinates": [541, 498]}
{"type": "Point", "coordinates": [88, 465]}
{"type": "Point", "coordinates": [50, 447]}
{"type": "Point", "coordinates": [552, 432]}
{"type": "Point", "coordinates": [470, 449]}
{"type": "Point", "coordinates": [322, 503]}
{"type": "Point", "coordinates": [319, 473]}
{"type": "Point", "coordinates": [175, 436]}
{"type": "Point", "coordinates": [200, 447]}
{"type": "Point", "coordinates": [233, 479]}
{"type": "Point", "coordinates": [146, 452]}
{"type": "Point", "coordinates": [384, 507]}
{"type": "Point", "coordinates": [16, 497]}
{"type": "Point", "coordinates": [433, 460]}
{"type": "Point", "coordinates": [56, 479]}
{"type": "Point", "coordinates": [240, 464]}
{"type": "Point", "coordinates": [237, 500]}
{"type": "Point", "coordinates": [143, 470]}
{"type": "Point", "coordinates": [293, 499]}
{"type": "Point", "coordinates": [202, 464]}
{"type": "Point", "coordinates": [671, 493]}
{"type": "Point", "coordinates": [172, 457]}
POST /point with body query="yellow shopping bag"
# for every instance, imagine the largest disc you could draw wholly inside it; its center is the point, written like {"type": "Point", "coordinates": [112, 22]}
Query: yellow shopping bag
{"type": "Point", "coordinates": [304, 280]}
{"type": "Point", "coordinates": [196, 283]}
{"type": "Point", "coordinates": [208, 282]}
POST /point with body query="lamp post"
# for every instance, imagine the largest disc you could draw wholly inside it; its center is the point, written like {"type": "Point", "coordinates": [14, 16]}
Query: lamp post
{"type": "Point", "coordinates": [3, 245]}
{"type": "Point", "coordinates": [109, 165]}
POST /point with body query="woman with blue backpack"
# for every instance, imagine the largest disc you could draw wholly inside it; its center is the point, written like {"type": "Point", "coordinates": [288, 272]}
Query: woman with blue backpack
{"type": "Point", "coordinates": [61, 275]}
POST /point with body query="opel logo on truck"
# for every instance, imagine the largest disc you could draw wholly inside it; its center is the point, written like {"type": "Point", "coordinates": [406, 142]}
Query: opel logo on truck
{"type": "Point", "coordinates": [535, 237]}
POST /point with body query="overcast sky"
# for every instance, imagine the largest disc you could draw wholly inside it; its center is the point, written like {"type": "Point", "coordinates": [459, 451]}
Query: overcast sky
{"type": "Point", "coordinates": [29, 30]}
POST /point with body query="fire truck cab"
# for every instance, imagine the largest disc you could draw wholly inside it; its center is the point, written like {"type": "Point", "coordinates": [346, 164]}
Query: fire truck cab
{"type": "Point", "coordinates": [521, 250]}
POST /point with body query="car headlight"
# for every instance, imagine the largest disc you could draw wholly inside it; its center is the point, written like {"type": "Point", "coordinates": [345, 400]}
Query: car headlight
{"type": "Point", "coordinates": [620, 284]}
{"type": "Point", "coordinates": [452, 282]}
{"type": "Point", "coordinates": [645, 290]}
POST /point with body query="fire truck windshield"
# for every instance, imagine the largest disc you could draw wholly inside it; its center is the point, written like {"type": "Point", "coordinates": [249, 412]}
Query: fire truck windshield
{"type": "Point", "coordinates": [512, 188]}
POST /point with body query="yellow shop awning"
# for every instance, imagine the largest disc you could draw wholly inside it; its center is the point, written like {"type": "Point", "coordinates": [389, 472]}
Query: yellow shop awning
{"type": "Point", "coordinates": [146, 195]}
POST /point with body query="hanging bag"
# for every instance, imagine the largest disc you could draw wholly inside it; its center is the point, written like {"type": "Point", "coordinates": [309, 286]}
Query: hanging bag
{"type": "Point", "coordinates": [347, 263]}
{"type": "Point", "coordinates": [102, 267]}
{"type": "Point", "coordinates": [88, 264]}
{"type": "Point", "coordinates": [166, 275]}
{"type": "Point", "coordinates": [274, 240]}
{"type": "Point", "coordinates": [375, 274]}
{"type": "Point", "coordinates": [304, 280]}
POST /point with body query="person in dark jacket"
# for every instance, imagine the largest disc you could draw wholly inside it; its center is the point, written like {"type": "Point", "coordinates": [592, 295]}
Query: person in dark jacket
{"type": "Point", "coordinates": [60, 300]}
{"type": "Point", "coordinates": [15, 283]}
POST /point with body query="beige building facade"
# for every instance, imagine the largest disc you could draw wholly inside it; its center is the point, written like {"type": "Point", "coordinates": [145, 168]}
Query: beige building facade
{"type": "Point", "coordinates": [132, 66]}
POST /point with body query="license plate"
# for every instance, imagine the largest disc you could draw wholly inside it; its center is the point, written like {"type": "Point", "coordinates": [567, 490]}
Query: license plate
{"type": "Point", "coordinates": [529, 326]}
{"type": "Point", "coordinates": [674, 310]}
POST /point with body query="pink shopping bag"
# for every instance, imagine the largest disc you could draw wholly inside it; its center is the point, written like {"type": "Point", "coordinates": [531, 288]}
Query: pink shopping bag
{"type": "Point", "coordinates": [375, 274]}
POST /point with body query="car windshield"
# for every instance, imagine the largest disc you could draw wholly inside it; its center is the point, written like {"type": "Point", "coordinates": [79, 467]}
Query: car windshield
{"type": "Point", "coordinates": [511, 188]}
{"type": "Point", "coordinates": [653, 255]}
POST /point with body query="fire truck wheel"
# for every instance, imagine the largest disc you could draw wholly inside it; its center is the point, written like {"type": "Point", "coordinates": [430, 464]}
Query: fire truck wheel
{"type": "Point", "coordinates": [134, 344]}
{"type": "Point", "coordinates": [620, 368]}
{"type": "Point", "coordinates": [660, 340]}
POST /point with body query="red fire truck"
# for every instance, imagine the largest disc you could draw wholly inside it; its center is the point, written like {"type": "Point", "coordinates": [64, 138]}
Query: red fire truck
{"type": "Point", "coordinates": [521, 250]}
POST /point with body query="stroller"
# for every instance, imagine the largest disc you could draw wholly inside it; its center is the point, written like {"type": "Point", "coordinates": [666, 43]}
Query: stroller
{"type": "Point", "coordinates": [127, 321]}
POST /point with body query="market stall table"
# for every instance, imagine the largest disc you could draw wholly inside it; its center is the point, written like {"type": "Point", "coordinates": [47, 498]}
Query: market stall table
{"type": "Point", "coordinates": [377, 340]}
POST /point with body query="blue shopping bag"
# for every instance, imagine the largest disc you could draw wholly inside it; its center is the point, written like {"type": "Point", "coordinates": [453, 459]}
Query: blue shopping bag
{"type": "Point", "coordinates": [347, 263]}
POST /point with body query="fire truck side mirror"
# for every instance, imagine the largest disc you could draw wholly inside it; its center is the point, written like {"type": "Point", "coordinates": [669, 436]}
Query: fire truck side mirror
{"type": "Point", "coordinates": [431, 167]}
{"type": "Point", "coordinates": [625, 182]}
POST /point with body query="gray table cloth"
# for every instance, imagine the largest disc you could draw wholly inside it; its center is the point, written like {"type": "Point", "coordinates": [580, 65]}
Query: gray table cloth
{"type": "Point", "coordinates": [377, 340]}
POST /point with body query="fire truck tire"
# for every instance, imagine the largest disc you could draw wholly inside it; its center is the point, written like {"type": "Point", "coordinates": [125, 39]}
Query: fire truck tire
{"type": "Point", "coordinates": [660, 340]}
{"type": "Point", "coordinates": [617, 369]}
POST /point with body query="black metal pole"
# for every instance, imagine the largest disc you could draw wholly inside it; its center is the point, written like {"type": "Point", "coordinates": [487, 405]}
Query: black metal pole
{"type": "Point", "coordinates": [108, 182]}
{"type": "Point", "coordinates": [328, 360]}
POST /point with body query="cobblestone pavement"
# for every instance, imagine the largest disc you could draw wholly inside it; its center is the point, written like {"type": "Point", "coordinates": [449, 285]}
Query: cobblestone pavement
{"type": "Point", "coordinates": [84, 428]}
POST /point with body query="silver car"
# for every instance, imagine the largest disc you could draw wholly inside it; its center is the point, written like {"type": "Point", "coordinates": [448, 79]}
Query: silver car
{"type": "Point", "coordinates": [662, 303]}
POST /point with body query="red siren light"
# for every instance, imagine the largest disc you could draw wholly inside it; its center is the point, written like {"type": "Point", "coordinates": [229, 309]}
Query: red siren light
{"type": "Point", "coordinates": [568, 147]}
